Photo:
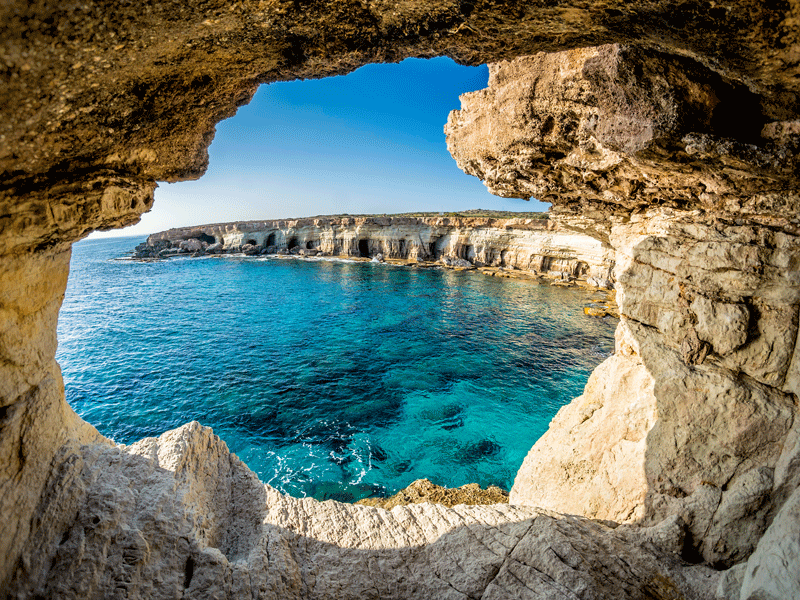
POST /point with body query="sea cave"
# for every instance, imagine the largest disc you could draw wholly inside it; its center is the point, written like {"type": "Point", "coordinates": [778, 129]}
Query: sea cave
{"type": "Point", "coordinates": [667, 131]}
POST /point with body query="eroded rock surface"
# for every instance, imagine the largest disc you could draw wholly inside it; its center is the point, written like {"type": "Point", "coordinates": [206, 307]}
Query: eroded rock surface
{"type": "Point", "coordinates": [610, 130]}
{"type": "Point", "coordinates": [101, 100]}
{"type": "Point", "coordinates": [422, 490]}
{"type": "Point", "coordinates": [524, 243]}
{"type": "Point", "coordinates": [676, 143]}
{"type": "Point", "coordinates": [697, 408]}
{"type": "Point", "coordinates": [179, 516]}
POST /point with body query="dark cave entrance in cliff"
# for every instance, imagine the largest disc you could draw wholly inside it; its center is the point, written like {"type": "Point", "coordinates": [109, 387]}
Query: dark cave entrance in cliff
{"type": "Point", "coordinates": [438, 246]}
{"type": "Point", "coordinates": [208, 239]}
{"type": "Point", "coordinates": [363, 248]}
{"type": "Point", "coordinates": [270, 240]}
{"type": "Point", "coordinates": [292, 243]}
{"type": "Point", "coordinates": [580, 269]}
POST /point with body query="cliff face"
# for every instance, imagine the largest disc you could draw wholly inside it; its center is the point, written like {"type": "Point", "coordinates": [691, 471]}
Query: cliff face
{"type": "Point", "coordinates": [519, 243]}
{"type": "Point", "coordinates": [678, 148]}
{"type": "Point", "coordinates": [695, 416]}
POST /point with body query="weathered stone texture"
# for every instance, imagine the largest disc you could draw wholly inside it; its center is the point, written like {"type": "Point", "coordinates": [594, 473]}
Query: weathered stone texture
{"type": "Point", "coordinates": [671, 134]}
{"type": "Point", "coordinates": [520, 243]}
{"type": "Point", "coordinates": [617, 128]}
{"type": "Point", "coordinates": [422, 490]}
{"type": "Point", "coordinates": [707, 270]}
{"type": "Point", "coordinates": [591, 461]}
{"type": "Point", "coordinates": [179, 516]}
{"type": "Point", "coordinates": [102, 100]}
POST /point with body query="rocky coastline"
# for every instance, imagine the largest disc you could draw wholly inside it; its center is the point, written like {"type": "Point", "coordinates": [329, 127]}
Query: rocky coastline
{"type": "Point", "coordinates": [524, 247]}
{"type": "Point", "coordinates": [528, 244]}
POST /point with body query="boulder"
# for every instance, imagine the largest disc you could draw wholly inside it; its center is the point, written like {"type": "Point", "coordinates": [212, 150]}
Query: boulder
{"type": "Point", "coordinates": [456, 263]}
{"type": "Point", "coordinates": [599, 282]}
{"type": "Point", "coordinates": [191, 245]}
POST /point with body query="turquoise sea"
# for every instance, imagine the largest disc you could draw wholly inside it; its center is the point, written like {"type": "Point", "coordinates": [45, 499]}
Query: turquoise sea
{"type": "Point", "coordinates": [329, 379]}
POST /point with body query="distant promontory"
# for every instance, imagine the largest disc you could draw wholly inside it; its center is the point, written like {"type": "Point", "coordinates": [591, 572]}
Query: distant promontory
{"type": "Point", "coordinates": [501, 242]}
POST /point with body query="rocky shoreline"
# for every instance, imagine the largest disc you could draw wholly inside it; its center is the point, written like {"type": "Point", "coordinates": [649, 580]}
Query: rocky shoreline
{"type": "Point", "coordinates": [528, 247]}
{"type": "Point", "coordinates": [422, 490]}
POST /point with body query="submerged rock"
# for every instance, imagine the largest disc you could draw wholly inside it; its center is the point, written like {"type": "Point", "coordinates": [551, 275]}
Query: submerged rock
{"type": "Point", "coordinates": [595, 311]}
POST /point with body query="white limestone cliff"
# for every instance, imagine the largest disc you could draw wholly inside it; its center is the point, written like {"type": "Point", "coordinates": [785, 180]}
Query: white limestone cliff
{"type": "Point", "coordinates": [528, 244]}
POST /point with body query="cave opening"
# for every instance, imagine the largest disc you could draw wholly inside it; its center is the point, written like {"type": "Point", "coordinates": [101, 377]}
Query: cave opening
{"type": "Point", "coordinates": [440, 246]}
{"type": "Point", "coordinates": [292, 243]}
{"type": "Point", "coordinates": [363, 248]}
{"type": "Point", "coordinates": [733, 109]}
{"type": "Point", "coordinates": [204, 237]}
{"type": "Point", "coordinates": [249, 241]}
{"type": "Point", "coordinates": [310, 244]}
{"type": "Point", "coordinates": [270, 240]}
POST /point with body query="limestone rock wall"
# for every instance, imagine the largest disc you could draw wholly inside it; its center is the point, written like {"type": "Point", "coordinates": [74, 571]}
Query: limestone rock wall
{"type": "Point", "coordinates": [520, 243]}
{"type": "Point", "coordinates": [179, 516]}
{"type": "Point", "coordinates": [678, 147]}
{"type": "Point", "coordinates": [607, 131]}
{"type": "Point", "coordinates": [695, 415]}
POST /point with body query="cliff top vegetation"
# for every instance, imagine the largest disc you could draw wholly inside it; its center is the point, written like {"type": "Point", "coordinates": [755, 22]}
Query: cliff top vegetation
{"type": "Point", "coordinates": [471, 213]}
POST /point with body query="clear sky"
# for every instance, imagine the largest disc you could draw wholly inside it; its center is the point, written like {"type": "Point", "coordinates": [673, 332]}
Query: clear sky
{"type": "Point", "coordinates": [368, 142]}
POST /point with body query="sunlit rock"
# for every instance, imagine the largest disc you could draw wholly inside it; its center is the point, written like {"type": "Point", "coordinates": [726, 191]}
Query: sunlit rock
{"type": "Point", "coordinates": [668, 131]}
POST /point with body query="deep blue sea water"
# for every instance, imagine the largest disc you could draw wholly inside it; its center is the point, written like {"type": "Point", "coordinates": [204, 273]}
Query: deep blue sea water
{"type": "Point", "coordinates": [329, 379]}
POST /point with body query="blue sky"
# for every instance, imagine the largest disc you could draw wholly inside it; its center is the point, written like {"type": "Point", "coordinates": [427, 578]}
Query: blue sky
{"type": "Point", "coordinates": [368, 142]}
